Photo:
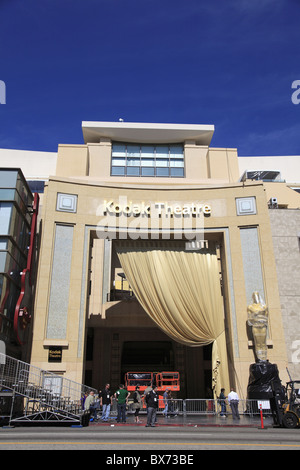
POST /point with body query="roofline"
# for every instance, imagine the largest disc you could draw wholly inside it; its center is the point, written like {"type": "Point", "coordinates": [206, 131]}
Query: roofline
{"type": "Point", "coordinates": [147, 133]}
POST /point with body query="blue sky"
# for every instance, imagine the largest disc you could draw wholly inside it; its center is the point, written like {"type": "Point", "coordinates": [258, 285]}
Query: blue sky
{"type": "Point", "coordinates": [230, 63]}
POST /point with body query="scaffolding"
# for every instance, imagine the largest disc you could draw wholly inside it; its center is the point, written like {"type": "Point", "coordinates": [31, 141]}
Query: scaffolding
{"type": "Point", "coordinates": [30, 395]}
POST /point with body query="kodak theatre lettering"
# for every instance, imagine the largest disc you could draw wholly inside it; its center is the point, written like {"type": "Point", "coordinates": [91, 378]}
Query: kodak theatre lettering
{"type": "Point", "coordinates": [155, 208]}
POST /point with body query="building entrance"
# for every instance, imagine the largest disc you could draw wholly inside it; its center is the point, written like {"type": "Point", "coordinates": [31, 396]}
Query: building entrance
{"type": "Point", "coordinates": [124, 338]}
{"type": "Point", "coordinates": [112, 354]}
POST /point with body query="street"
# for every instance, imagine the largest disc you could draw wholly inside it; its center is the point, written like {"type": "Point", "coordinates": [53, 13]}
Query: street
{"type": "Point", "coordinates": [157, 441]}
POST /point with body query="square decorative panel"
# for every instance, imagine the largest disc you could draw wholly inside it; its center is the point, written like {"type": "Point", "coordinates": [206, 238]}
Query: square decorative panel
{"type": "Point", "coordinates": [66, 202]}
{"type": "Point", "coordinates": [245, 206]}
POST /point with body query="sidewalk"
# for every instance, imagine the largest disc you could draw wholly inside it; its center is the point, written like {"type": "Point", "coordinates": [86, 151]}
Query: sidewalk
{"type": "Point", "coordinates": [191, 420]}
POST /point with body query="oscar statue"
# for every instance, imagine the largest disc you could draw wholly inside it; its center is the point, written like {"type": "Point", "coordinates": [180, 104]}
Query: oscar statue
{"type": "Point", "coordinates": [258, 320]}
{"type": "Point", "coordinates": [262, 374]}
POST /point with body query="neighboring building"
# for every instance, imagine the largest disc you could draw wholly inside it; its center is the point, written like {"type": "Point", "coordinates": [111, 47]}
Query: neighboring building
{"type": "Point", "coordinates": [18, 212]}
{"type": "Point", "coordinates": [140, 188]}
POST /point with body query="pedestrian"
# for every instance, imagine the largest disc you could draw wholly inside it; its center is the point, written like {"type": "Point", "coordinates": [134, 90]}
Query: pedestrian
{"type": "Point", "coordinates": [96, 406]}
{"type": "Point", "coordinates": [171, 405]}
{"type": "Point", "coordinates": [83, 398]}
{"type": "Point", "coordinates": [137, 403]}
{"type": "Point", "coordinates": [233, 400]}
{"type": "Point", "coordinates": [152, 406]}
{"type": "Point", "coordinates": [165, 401]}
{"type": "Point", "coordinates": [105, 402]}
{"type": "Point", "coordinates": [222, 401]}
{"type": "Point", "coordinates": [89, 405]}
{"type": "Point", "coordinates": [121, 396]}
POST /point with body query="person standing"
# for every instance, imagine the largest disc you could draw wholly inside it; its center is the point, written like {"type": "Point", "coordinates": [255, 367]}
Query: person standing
{"type": "Point", "coordinates": [222, 402]}
{"type": "Point", "coordinates": [83, 398]}
{"type": "Point", "coordinates": [121, 396]}
{"type": "Point", "coordinates": [233, 400]}
{"type": "Point", "coordinates": [152, 403]}
{"type": "Point", "coordinates": [165, 400]}
{"type": "Point", "coordinates": [89, 404]}
{"type": "Point", "coordinates": [137, 403]}
{"type": "Point", "coordinates": [171, 405]}
{"type": "Point", "coordinates": [106, 402]}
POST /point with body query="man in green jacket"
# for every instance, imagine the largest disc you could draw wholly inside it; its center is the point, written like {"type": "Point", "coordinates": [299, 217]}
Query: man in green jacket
{"type": "Point", "coordinates": [121, 396]}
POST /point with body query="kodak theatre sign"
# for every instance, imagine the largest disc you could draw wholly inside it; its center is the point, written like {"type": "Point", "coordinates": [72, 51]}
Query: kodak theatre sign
{"type": "Point", "coordinates": [156, 208]}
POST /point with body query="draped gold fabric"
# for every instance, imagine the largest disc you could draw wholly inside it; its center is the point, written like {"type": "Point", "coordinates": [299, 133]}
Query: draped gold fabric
{"type": "Point", "coordinates": [180, 291]}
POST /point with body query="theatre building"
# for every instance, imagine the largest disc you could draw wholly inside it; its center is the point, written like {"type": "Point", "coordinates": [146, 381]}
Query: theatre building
{"type": "Point", "coordinates": [151, 246]}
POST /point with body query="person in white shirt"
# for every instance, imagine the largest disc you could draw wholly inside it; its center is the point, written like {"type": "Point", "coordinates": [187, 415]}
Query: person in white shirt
{"type": "Point", "coordinates": [233, 400]}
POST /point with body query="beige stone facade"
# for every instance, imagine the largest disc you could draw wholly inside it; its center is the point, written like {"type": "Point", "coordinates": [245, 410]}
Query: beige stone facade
{"type": "Point", "coordinates": [86, 210]}
{"type": "Point", "coordinates": [285, 226]}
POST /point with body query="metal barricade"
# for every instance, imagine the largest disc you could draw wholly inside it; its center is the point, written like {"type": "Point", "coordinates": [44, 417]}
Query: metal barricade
{"type": "Point", "coordinates": [175, 406]}
{"type": "Point", "coordinates": [213, 407]}
{"type": "Point", "coordinates": [200, 406]}
{"type": "Point", "coordinates": [209, 407]}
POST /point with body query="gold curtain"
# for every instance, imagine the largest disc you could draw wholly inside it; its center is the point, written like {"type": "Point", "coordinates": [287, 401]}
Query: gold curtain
{"type": "Point", "coordinates": [180, 291]}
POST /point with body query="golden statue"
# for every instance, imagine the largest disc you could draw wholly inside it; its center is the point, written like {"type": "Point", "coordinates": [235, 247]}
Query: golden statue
{"type": "Point", "coordinates": [258, 320]}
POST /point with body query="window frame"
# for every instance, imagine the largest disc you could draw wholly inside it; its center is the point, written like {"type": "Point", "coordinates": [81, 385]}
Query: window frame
{"type": "Point", "coordinates": [143, 164]}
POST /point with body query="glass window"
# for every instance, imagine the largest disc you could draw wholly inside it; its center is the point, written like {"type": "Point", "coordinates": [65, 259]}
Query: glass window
{"type": "Point", "coordinates": [133, 151]}
{"type": "Point", "coordinates": [162, 171]}
{"type": "Point", "coordinates": [7, 194]}
{"type": "Point", "coordinates": [176, 151]}
{"type": "Point", "coordinates": [118, 150]}
{"type": "Point", "coordinates": [3, 243]}
{"type": "Point", "coordinates": [162, 151]}
{"type": "Point", "coordinates": [177, 172]}
{"type": "Point", "coordinates": [176, 163]}
{"type": "Point", "coordinates": [8, 178]}
{"type": "Point", "coordinates": [119, 161]}
{"type": "Point", "coordinates": [162, 162]}
{"type": "Point", "coordinates": [147, 171]}
{"type": "Point", "coordinates": [133, 161]}
{"type": "Point", "coordinates": [6, 209]}
{"type": "Point", "coordinates": [147, 155]}
{"type": "Point", "coordinates": [118, 170]}
{"type": "Point", "coordinates": [147, 151]}
{"type": "Point", "coordinates": [147, 160]}
{"type": "Point", "coordinates": [133, 171]}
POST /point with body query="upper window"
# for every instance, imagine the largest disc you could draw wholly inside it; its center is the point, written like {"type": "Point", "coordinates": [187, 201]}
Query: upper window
{"type": "Point", "coordinates": [147, 160]}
